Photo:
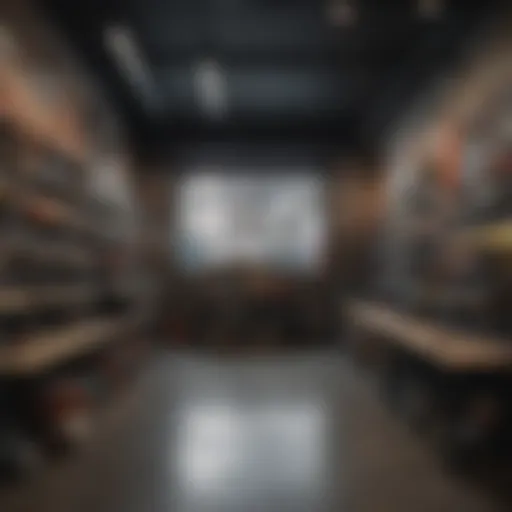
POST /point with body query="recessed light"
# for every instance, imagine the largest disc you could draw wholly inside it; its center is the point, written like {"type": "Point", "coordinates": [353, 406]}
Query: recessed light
{"type": "Point", "coordinates": [430, 9]}
{"type": "Point", "coordinates": [341, 12]}
{"type": "Point", "coordinates": [121, 44]}
{"type": "Point", "coordinates": [210, 88]}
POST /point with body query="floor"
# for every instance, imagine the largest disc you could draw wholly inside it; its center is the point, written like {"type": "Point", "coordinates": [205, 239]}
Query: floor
{"type": "Point", "coordinates": [303, 433]}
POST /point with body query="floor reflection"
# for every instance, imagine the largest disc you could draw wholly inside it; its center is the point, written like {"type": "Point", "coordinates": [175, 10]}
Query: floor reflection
{"type": "Point", "coordinates": [248, 449]}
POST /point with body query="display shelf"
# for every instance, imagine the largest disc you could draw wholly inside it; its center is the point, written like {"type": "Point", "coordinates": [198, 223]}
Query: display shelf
{"type": "Point", "coordinates": [19, 299]}
{"type": "Point", "coordinates": [64, 295]}
{"type": "Point", "coordinates": [450, 349]}
{"type": "Point", "coordinates": [496, 236]}
{"type": "Point", "coordinates": [54, 212]}
{"type": "Point", "coordinates": [44, 210]}
{"type": "Point", "coordinates": [50, 348]}
{"type": "Point", "coordinates": [65, 331]}
{"type": "Point", "coordinates": [54, 253]}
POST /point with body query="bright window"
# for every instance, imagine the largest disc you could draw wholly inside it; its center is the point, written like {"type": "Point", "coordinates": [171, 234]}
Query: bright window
{"type": "Point", "coordinates": [275, 220]}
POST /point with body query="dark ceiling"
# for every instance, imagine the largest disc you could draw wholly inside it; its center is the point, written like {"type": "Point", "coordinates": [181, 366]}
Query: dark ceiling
{"type": "Point", "coordinates": [289, 70]}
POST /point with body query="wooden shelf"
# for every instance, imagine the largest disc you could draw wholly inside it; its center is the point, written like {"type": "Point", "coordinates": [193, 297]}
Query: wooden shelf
{"type": "Point", "coordinates": [45, 252]}
{"type": "Point", "coordinates": [50, 348]}
{"type": "Point", "coordinates": [16, 299]}
{"type": "Point", "coordinates": [495, 236]}
{"type": "Point", "coordinates": [446, 296]}
{"type": "Point", "coordinates": [55, 253]}
{"type": "Point", "coordinates": [45, 210]}
{"type": "Point", "coordinates": [450, 349]}
{"type": "Point", "coordinates": [51, 211]}
{"type": "Point", "coordinates": [64, 295]}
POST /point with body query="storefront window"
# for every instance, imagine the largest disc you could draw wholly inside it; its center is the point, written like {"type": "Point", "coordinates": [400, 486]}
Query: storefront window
{"type": "Point", "coordinates": [273, 220]}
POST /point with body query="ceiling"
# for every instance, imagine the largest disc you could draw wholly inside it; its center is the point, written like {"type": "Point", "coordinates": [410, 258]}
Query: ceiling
{"type": "Point", "coordinates": [280, 69]}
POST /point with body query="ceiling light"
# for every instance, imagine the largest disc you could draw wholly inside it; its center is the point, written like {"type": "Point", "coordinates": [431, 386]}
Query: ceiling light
{"type": "Point", "coordinates": [430, 9]}
{"type": "Point", "coordinates": [341, 12]}
{"type": "Point", "coordinates": [210, 88]}
{"type": "Point", "coordinates": [121, 43]}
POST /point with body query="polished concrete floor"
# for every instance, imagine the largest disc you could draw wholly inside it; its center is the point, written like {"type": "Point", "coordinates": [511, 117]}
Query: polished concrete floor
{"type": "Point", "coordinates": [302, 433]}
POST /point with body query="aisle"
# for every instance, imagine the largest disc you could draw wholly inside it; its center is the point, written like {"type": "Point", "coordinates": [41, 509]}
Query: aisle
{"type": "Point", "coordinates": [274, 434]}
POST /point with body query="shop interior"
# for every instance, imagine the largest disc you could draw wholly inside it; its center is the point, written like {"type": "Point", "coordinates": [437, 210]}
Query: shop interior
{"type": "Point", "coordinates": [256, 256]}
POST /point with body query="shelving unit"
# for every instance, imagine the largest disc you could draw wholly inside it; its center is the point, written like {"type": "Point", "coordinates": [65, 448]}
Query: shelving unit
{"type": "Point", "coordinates": [492, 237]}
{"type": "Point", "coordinates": [450, 350]}
{"type": "Point", "coordinates": [24, 299]}
{"type": "Point", "coordinates": [50, 348]}
{"type": "Point", "coordinates": [71, 309]}
{"type": "Point", "coordinates": [439, 319]}
{"type": "Point", "coordinates": [64, 318]}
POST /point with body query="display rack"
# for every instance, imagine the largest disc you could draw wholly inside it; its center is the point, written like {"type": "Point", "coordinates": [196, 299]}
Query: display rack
{"type": "Point", "coordinates": [72, 310]}
{"type": "Point", "coordinates": [495, 237]}
{"type": "Point", "coordinates": [449, 349]}
{"type": "Point", "coordinates": [439, 319]}
{"type": "Point", "coordinates": [50, 348]}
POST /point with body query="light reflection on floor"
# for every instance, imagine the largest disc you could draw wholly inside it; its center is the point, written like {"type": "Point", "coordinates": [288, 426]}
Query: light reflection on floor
{"type": "Point", "coordinates": [220, 445]}
{"type": "Point", "coordinates": [242, 448]}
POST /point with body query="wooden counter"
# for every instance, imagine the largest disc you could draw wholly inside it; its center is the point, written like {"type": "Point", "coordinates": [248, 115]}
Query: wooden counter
{"type": "Point", "coordinates": [450, 349]}
{"type": "Point", "coordinates": [47, 349]}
